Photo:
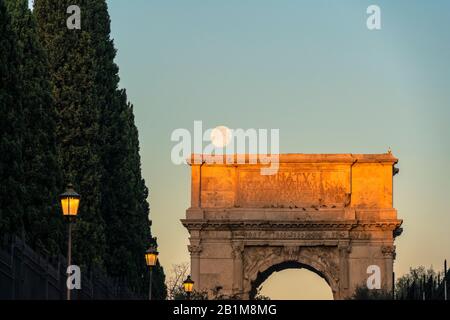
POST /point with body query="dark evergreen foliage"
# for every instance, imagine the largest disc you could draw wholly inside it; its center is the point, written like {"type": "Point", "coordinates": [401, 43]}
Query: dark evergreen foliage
{"type": "Point", "coordinates": [422, 284]}
{"type": "Point", "coordinates": [98, 142]}
{"type": "Point", "coordinates": [364, 293]}
{"type": "Point", "coordinates": [41, 175]}
{"type": "Point", "coordinates": [72, 63]}
{"type": "Point", "coordinates": [64, 119]}
{"type": "Point", "coordinates": [11, 129]}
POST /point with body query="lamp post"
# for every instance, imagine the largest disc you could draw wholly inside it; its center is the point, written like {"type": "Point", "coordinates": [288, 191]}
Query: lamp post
{"type": "Point", "coordinates": [70, 201]}
{"type": "Point", "coordinates": [188, 286]}
{"type": "Point", "coordinates": [151, 256]}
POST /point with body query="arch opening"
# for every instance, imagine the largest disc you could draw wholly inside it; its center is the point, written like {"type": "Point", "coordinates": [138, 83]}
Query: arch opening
{"type": "Point", "coordinates": [290, 274]}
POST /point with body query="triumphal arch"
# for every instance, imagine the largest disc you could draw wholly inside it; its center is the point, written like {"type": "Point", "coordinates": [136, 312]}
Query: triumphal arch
{"type": "Point", "coordinates": [330, 213]}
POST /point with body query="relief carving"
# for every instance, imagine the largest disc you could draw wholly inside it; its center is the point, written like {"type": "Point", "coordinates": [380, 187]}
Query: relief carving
{"type": "Point", "coordinates": [294, 187]}
{"type": "Point", "coordinates": [360, 235]}
{"type": "Point", "coordinates": [255, 257]}
{"type": "Point", "coordinates": [301, 235]}
{"type": "Point", "coordinates": [328, 257]}
{"type": "Point", "coordinates": [291, 252]}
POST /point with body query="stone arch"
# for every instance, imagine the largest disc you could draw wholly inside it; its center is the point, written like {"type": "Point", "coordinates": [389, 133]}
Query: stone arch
{"type": "Point", "coordinates": [330, 212]}
{"type": "Point", "coordinates": [263, 276]}
{"type": "Point", "coordinates": [261, 262]}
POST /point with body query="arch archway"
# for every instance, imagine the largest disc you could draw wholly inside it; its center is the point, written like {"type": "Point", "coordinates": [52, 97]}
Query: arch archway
{"type": "Point", "coordinates": [331, 213]}
{"type": "Point", "coordinates": [272, 271]}
{"type": "Point", "coordinates": [261, 261]}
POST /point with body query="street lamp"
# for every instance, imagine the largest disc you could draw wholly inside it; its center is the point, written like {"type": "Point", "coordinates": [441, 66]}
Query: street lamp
{"type": "Point", "coordinates": [151, 256]}
{"type": "Point", "coordinates": [70, 201]}
{"type": "Point", "coordinates": [188, 286]}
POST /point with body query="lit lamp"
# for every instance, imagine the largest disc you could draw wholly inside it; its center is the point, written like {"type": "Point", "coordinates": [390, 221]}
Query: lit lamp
{"type": "Point", "coordinates": [70, 201]}
{"type": "Point", "coordinates": [151, 256]}
{"type": "Point", "coordinates": [188, 286]}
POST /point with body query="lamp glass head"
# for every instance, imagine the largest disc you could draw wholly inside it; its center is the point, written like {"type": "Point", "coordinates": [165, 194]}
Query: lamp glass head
{"type": "Point", "coordinates": [70, 201]}
{"type": "Point", "coordinates": [188, 285]}
{"type": "Point", "coordinates": [151, 256]}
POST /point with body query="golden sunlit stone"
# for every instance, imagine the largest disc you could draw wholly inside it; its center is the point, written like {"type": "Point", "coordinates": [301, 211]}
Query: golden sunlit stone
{"type": "Point", "coordinates": [331, 213]}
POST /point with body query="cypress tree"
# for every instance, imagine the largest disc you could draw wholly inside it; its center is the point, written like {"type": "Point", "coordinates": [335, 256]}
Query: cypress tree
{"type": "Point", "coordinates": [72, 66]}
{"type": "Point", "coordinates": [11, 129]}
{"type": "Point", "coordinates": [124, 194]}
{"type": "Point", "coordinates": [41, 176]}
{"type": "Point", "coordinates": [123, 202]}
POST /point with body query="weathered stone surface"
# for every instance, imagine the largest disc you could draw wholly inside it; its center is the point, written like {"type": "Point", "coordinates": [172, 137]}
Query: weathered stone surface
{"type": "Point", "coordinates": [332, 214]}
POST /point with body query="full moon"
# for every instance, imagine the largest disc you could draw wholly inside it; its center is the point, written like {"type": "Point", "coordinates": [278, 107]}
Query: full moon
{"type": "Point", "coordinates": [220, 136]}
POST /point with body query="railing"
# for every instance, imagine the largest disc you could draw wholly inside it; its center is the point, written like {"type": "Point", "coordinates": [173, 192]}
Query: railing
{"type": "Point", "coordinates": [27, 275]}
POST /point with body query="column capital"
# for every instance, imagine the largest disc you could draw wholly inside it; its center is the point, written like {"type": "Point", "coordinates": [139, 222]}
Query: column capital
{"type": "Point", "coordinates": [345, 246]}
{"type": "Point", "coordinates": [195, 249]}
{"type": "Point", "coordinates": [388, 251]}
{"type": "Point", "coordinates": [237, 250]}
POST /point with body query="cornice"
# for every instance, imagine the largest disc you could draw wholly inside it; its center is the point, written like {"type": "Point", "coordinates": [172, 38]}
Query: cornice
{"type": "Point", "coordinates": [350, 225]}
{"type": "Point", "coordinates": [198, 159]}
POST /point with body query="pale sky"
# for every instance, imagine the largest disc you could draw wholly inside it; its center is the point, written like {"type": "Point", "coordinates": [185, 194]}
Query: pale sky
{"type": "Point", "coordinates": [311, 69]}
